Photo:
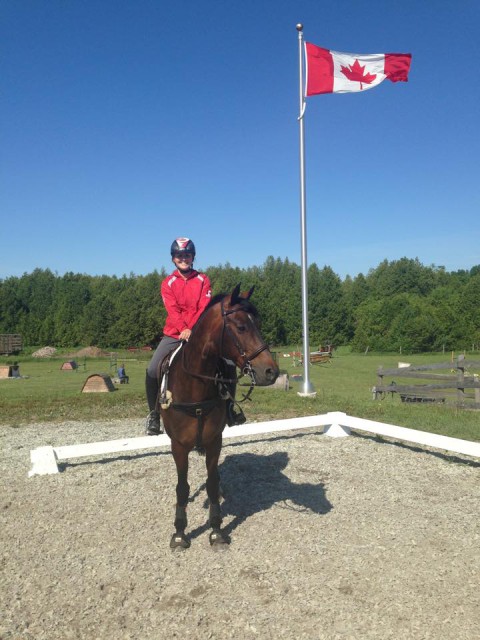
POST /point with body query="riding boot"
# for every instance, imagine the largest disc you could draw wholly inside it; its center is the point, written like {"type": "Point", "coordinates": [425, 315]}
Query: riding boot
{"type": "Point", "coordinates": [153, 424]}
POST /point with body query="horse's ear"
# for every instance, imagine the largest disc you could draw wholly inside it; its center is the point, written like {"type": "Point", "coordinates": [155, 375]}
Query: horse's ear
{"type": "Point", "coordinates": [249, 294]}
{"type": "Point", "coordinates": [234, 298]}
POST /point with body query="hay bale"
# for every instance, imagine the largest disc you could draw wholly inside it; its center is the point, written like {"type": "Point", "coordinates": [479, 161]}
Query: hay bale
{"type": "Point", "coordinates": [98, 383]}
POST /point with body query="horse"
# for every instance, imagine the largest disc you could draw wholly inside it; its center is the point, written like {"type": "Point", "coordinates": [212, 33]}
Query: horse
{"type": "Point", "coordinates": [194, 405]}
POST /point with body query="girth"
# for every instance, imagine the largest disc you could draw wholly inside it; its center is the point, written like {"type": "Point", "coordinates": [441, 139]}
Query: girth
{"type": "Point", "coordinates": [197, 410]}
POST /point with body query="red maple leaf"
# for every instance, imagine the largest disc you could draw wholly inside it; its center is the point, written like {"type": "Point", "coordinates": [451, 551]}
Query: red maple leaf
{"type": "Point", "coordinates": [355, 73]}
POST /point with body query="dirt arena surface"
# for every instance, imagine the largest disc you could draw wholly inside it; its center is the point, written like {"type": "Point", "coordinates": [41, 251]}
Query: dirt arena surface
{"type": "Point", "coordinates": [349, 538]}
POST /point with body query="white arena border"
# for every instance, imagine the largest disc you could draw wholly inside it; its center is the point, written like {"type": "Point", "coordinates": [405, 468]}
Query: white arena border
{"type": "Point", "coordinates": [335, 423]}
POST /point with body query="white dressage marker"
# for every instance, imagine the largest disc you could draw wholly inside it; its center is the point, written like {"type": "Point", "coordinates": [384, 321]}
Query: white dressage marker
{"type": "Point", "coordinates": [335, 424]}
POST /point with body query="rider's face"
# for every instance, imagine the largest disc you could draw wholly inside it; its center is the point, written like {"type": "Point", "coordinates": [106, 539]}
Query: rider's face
{"type": "Point", "coordinates": [183, 261]}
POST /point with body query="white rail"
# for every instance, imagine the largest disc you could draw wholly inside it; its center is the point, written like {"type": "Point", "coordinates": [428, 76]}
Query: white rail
{"type": "Point", "coordinates": [335, 424]}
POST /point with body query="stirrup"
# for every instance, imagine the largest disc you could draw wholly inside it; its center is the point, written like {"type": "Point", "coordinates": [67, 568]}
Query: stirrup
{"type": "Point", "coordinates": [235, 417]}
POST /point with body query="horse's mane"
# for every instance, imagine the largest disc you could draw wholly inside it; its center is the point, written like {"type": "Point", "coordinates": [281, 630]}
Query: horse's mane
{"type": "Point", "coordinates": [218, 298]}
{"type": "Point", "coordinates": [245, 304]}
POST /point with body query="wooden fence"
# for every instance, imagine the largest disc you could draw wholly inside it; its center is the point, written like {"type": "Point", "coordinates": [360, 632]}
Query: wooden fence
{"type": "Point", "coordinates": [10, 343]}
{"type": "Point", "coordinates": [316, 357]}
{"type": "Point", "coordinates": [458, 383]}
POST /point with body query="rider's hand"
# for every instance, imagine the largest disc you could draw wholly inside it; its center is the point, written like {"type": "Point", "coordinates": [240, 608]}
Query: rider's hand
{"type": "Point", "coordinates": [185, 335]}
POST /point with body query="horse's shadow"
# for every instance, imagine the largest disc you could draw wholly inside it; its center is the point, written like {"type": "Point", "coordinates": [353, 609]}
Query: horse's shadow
{"type": "Point", "coordinates": [251, 483]}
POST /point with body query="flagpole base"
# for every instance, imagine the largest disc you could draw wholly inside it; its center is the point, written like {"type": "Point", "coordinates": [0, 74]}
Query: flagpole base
{"type": "Point", "coordinates": [307, 390]}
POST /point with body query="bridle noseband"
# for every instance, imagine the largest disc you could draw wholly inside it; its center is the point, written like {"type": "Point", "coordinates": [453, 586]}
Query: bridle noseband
{"type": "Point", "coordinates": [246, 367]}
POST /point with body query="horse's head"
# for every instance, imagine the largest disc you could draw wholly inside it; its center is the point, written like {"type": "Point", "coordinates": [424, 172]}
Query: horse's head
{"type": "Point", "coordinates": [242, 341]}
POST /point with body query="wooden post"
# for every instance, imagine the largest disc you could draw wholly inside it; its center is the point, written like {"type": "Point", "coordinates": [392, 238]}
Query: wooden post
{"type": "Point", "coordinates": [477, 389]}
{"type": "Point", "coordinates": [379, 380]}
{"type": "Point", "coordinates": [461, 379]}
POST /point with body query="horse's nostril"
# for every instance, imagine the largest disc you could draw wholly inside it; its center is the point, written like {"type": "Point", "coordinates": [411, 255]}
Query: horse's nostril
{"type": "Point", "coordinates": [271, 374]}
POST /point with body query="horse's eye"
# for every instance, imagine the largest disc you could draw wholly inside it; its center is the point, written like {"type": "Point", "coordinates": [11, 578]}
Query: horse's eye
{"type": "Point", "coordinates": [241, 328]}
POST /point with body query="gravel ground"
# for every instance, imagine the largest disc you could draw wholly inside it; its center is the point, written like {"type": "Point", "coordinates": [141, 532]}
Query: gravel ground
{"type": "Point", "coordinates": [349, 538]}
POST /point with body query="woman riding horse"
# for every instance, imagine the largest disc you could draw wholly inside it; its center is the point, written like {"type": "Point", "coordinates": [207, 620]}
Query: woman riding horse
{"type": "Point", "coordinates": [185, 294]}
{"type": "Point", "coordinates": [194, 412]}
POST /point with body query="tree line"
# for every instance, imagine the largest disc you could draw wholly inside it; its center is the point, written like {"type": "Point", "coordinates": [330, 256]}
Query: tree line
{"type": "Point", "coordinates": [400, 305]}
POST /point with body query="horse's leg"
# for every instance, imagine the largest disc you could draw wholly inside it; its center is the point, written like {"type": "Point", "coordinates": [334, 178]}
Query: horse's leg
{"type": "Point", "coordinates": [179, 539]}
{"type": "Point", "coordinates": [213, 490]}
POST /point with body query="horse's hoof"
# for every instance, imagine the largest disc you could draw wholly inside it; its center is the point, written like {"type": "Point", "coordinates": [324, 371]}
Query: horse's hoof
{"type": "Point", "coordinates": [179, 541]}
{"type": "Point", "coordinates": [217, 539]}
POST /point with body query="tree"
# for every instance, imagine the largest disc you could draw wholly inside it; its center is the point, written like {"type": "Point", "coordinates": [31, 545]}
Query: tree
{"type": "Point", "coordinates": [141, 314]}
{"type": "Point", "coordinates": [39, 289]}
{"type": "Point", "coordinates": [401, 276]}
{"type": "Point", "coordinates": [72, 296]}
{"type": "Point", "coordinates": [10, 306]}
{"type": "Point", "coordinates": [469, 310]}
{"type": "Point", "coordinates": [327, 311]}
{"type": "Point", "coordinates": [278, 299]}
{"type": "Point", "coordinates": [399, 305]}
{"type": "Point", "coordinates": [414, 328]}
{"type": "Point", "coordinates": [355, 291]}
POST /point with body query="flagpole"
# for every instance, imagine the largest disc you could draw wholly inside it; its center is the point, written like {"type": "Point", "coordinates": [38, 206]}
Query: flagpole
{"type": "Point", "coordinates": [307, 388]}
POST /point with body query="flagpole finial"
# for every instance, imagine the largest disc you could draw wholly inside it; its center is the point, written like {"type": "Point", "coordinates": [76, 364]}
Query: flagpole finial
{"type": "Point", "coordinates": [299, 26]}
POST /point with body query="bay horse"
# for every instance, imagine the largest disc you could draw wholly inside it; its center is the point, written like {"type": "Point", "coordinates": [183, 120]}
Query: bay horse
{"type": "Point", "coordinates": [194, 413]}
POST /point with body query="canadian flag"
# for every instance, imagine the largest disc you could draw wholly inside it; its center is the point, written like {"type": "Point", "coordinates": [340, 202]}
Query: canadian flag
{"type": "Point", "coordinates": [334, 72]}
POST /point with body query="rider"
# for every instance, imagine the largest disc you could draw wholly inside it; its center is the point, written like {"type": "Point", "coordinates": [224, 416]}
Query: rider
{"type": "Point", "coordinates": [185, 294]}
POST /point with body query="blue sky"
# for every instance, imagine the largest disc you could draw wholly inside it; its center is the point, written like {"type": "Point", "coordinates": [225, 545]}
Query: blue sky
{"type": "Point", "coordinates": [125, 124]}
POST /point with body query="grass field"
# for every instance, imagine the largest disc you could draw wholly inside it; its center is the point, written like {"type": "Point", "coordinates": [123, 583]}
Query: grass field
{"type": "Point", "coordinates": [45, 393]}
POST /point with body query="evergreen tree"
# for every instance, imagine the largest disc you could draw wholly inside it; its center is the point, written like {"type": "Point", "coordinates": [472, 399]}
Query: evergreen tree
{"type": "Point", "coordinates": [327, 311]}
{"type": "Point", "coordinates": [400, 305]}
{"type": "Point", "coordinates": [73, 293]}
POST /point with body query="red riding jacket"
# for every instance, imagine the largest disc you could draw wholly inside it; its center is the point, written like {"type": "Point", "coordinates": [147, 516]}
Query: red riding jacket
{"type": "Point", "coordinates": [184, 300]}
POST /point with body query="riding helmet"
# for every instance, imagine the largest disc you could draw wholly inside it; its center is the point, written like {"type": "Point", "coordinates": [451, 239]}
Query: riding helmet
{"type": "Point", "coordinates": [182, 245]}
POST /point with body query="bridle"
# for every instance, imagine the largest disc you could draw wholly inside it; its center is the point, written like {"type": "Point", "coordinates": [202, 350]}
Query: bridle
{"type": "Point", "coordinates": [246, 367]}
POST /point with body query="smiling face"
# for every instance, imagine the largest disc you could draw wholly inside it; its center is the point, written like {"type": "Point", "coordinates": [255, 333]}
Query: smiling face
{"type": "Point", "coordinates": [183, 261]}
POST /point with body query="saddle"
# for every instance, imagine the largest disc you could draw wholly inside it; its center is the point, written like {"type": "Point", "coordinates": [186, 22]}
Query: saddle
{"type": "Point", "coordinates": [226, 389]}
